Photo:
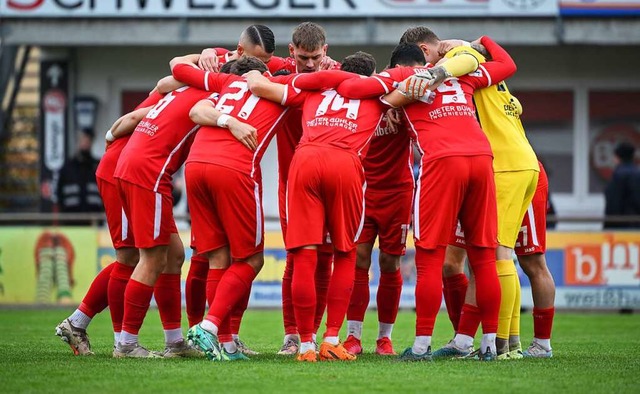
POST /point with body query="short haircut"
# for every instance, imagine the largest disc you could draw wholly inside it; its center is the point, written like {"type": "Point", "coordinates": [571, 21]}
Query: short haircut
{"type": "Point", "coordinates": [243, 65]}
{"type": "Point", "coordinates": [625, 152]}
{"type": "Point", "coordinates": [308, 36]}
{"type": "Point", "coordinates": [419, 34]}
{"type": "Point", "coordinates": [282, 71]}
{"type": "Point", "coordinates": [360, 63]}
{"type": "Point", "coordinates": [406, 54]}
{"type": "Point", "coordinates": [260, 35]}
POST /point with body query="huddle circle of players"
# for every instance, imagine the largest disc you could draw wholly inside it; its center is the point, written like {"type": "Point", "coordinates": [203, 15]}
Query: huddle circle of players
{"type": "Point", "coordinates": [345, 139]}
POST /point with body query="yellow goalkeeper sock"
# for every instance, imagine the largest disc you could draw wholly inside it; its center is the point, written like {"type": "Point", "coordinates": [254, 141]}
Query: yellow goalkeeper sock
{"type": "Point", "coordinates": [514, 330]}
{"type": "Point", "coordinates": [507, 276]}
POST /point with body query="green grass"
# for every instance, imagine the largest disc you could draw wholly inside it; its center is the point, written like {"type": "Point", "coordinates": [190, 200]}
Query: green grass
{"type": "Point", "coordinates": [592, 353]}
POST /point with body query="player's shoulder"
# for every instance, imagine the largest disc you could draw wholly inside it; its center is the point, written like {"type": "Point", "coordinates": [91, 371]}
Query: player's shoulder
{"type": "Point", "coordinates": [466, 50]}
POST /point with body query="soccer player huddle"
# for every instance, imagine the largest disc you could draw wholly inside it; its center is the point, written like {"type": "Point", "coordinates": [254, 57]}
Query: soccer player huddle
{"type": "Point", "coordinates": [345, 139]}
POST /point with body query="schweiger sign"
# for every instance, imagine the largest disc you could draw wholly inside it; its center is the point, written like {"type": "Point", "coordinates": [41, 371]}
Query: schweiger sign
{"type": "Point", "coordinates": [273, 8]}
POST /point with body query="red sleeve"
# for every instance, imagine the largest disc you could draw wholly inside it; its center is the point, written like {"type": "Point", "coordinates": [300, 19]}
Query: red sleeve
{"type": "Point", "coordinates": [153, 99]}
{"type": "Point", "coordinates": [203, 80]}
{"type": "Point", "coordinates": [278, 63]}
{"type": "Point", "coordinates": [361, 88]}
{"type": "Point", "coordinates": [500, 67]}
{"type": "Point", "coordinates": [294, 97]}
{"type": "Point", "coordinates": [221, 51]}
{"type": "Point", "coordinates": [321, 80]}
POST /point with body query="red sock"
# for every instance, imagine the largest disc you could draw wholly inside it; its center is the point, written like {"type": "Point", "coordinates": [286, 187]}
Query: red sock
{"type": "Point", "coordinates": [429, 264]}
{"type": "Point", "coordinates": [288, 316]}
{"type": "Point", "coordinates": [542, 322]}
{"type": "Point", "coordinates": [213, 280]}
{"type": "Point", "coordinates": [234, 284]}
{"type": "Point", "coordinates": [303, 290]}
{"type": "Point", "coordinates": [323, 277]}
{"type": "Point", "coordinates": [137, 297]}
{"type": "Point", "coordinates": [360, 295]}
{"type": "Point", "coordinates": [167, 294]}
{"type": "Point", "coordinates": [469, 320]}
{"type": "Point", "coordinates": [455, 290]}
{"type": "Point", "coordinates": [483, 264]}
{"type": "Point", "coordinates": [117, 284]}
{"type": "Point", "coordinates": [96, 298]}
{"type": "Point", "coordinates": [195, 292]}
{"type": "Point", "coordinates": [388, 297]}
{"type": "Point", "coordinates": [238, 312]}
{"type": "Point", "coordinates": [340, 289]}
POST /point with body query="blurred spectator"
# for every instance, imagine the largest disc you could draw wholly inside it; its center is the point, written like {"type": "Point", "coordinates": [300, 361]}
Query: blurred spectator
{"type": "Point", "coordinates": [77, 189]}
{"type": "Point", "coordinates": [622, 195]}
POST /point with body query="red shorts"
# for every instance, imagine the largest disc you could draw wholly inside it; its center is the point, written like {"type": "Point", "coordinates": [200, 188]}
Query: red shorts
{"type": "Point", "coordinates": [532, 238]}
{"type": "Point", "coordinates": [117, 221]}
{"type": "Point", "coordinates": [326, 247]}
{"type": "Point", "coordinates": [226, 209]}
{"type": "Point", "coordinates": [150, 215]}
{"type": "Point", "coordinates": [325, 191]}
{"type": "Point", "coordinates": [456, 188]}
{"type": "Point", "coordinates": [387, 215]}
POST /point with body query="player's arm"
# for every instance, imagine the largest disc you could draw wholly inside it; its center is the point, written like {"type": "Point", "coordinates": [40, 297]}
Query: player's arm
{"type": "Point", "coordinates": [126, 123]}
{"type": "Point", "coordinates": [186, 59]}
{"type": "Point", "coordinates": [321, 80]}
{"type": "Point", "coordinates": [168, 84]}
{"type": "Point", "coordinates": [204, 113]}
{"type": "Point", "coordinates": [501, 65]}
{"type": "Point", "coordinates": [190, 74]}
{"type": "Point", "coordinates": [262, 87]}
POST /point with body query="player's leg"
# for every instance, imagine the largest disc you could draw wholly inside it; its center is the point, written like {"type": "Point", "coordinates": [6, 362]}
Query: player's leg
{"type": "Point", "coordinates": [514, 191]}
{"type": "Point", "coordinates": [530, 250]}
{"type": "Point", "coordinates": [323, 277]}
{"type": "Point", "coordinates": [196, 288]}
{"type": "Point", "coordinates": [236, 320]}
{"type": "Point", "coordinates": [127, 258]}
{"type": "Point", "coordinates": [478, 217]}
{"type": "Point", "coordinates": [167, 294]}
{"type": "Point", "coordinates": [137, 298]}
{"type": "Point", "coordinates": [342, 187]}
{"type": "Point", "coordinates": [543, 290]}
{"type": "Point", "coordinates": [291, 341]}
{"type": "Point", "coordinates": [388, 301]}
{"type": "Point", "coordinates": [442, 180]}
{"type": "Point", "coordinates": [305, 230]}
{"type": "Point", "coordinates": [455, 282]}
{"type": "Point", "coordinates": [72, 330]}
{"type": "Point", "coordinates": [359, 298]}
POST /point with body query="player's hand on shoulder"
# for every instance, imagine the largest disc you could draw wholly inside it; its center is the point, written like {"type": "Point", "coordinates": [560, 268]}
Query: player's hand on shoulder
{"type": "Point", "coordinates": [445, 46]}
{"type": "Point", "coordinates": [327, 63]}
{"type": "Point", "coordinates": [209, 60]}
{"type": "Point", "coordinates": [416, 85]}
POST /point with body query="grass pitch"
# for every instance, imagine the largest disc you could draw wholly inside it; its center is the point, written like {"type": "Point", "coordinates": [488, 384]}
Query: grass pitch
{"type": "Point", "coordinates": [593, 353]}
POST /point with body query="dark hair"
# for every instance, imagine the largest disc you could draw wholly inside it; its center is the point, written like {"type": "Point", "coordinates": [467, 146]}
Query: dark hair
{"type": "Point", "coordinates": [419, 34]}
{"type": "Point", "coordinates": [308, 36]}
{"type": "Point", "coordinates": [261, 35]}
{"type": "Point", "coordinates": [406, 54]}
{"type": "Point", "coordinates": [282, 71]}
{"type": "Point", "coordinates": [360, 63]}
{"type": "Point", "coordinates": [625, 152]}
{"type": "Point", "coordinates": [243, 65]}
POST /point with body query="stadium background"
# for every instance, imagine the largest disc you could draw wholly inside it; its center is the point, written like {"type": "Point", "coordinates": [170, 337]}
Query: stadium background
{"type": "Point", "coordinates": [577, 80]}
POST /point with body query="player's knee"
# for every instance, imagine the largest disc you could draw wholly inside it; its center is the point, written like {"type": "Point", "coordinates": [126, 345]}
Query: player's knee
{"type": "Point", "coordinates": [256, 262]}
{"type": "Point", "coordinates": [128, 256]}
{"type": "Point", "coordinates": [363, 256]}
{"type": "Point", "coordinates": [389, 262]}
{"type": "Point", "coordinates": [533, 265]}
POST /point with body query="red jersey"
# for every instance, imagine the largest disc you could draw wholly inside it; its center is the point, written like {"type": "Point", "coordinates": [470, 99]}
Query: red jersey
{"type": "Point", "coordinates": [161, 141]}
{"type": "Point", "coordinates": [109, 160]}
{"type": "Point", "coordinates": [388, 164]}
{"type": "Point", "coordinates": [219, 146]}
{"type": "Point", "coordinates": [330, 119]}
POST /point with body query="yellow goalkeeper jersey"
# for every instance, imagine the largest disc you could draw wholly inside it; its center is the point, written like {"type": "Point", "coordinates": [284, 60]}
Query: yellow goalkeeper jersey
{"type": "Point", "coordinates": [500, 120]}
